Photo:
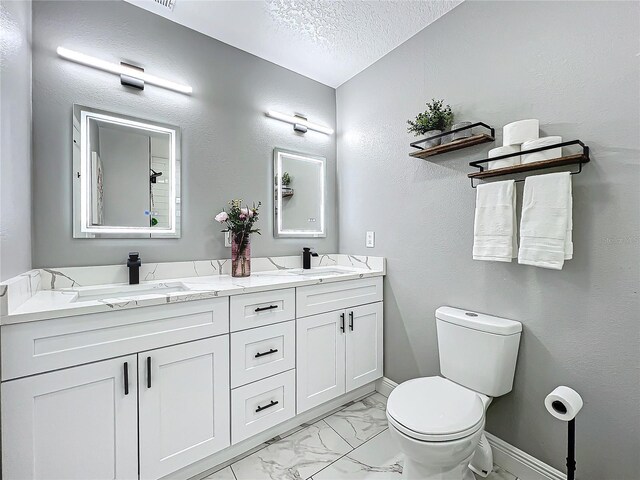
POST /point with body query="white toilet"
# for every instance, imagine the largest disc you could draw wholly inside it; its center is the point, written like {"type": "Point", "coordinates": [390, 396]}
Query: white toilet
{"type": "Point", "coordinates": [438, 422]}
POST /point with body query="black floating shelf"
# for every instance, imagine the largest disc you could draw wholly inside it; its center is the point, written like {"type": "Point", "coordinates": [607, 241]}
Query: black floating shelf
{"type": "Point", "coordinates": [456, 144]}
{"type": "Point", "coordinates": [575, 159]}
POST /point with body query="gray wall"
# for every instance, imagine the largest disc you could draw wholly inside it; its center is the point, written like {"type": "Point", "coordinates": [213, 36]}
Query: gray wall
{"type": "Point", "coordinates": [575, 67]}
{"type": "Point", "coordinates": [15, 138]}
{"type": "Point", "coordinates": [227, 141]}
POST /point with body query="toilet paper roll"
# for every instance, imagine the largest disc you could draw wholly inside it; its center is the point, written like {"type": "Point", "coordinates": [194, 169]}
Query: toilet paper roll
{"type": "Point", "coordinates": [564, 403]}
{"type": "Point", "coordinates": [506, 162]}
{"type": "Point", "coordinates": [544, 154]}
{"type": "Point", "coordinates": [521, 131]}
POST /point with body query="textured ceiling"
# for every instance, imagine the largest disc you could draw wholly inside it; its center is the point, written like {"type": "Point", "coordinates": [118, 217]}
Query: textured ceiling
{"type": "Point", "coordinates": [329, 41]}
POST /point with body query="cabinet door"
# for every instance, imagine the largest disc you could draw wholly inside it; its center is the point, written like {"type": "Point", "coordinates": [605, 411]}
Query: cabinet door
{"type": "Point", "coordinates": [320, 358]}
{"type": "Point", "coordinates": [184, 404]}
{"type": "Point", "coordinates": [77, 423]}
{"type": "Point", "coordinates": [364, 345]}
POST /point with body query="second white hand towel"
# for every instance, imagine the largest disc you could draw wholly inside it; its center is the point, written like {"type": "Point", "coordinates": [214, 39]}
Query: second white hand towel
{"type": "Point", "coordinates": [545, 228]}
{"type": "Point", "coordinates": [494, 233]}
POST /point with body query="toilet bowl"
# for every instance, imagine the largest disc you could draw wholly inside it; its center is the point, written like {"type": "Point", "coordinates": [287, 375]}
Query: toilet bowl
{"type": "Point", "coordinates": [437, 424]}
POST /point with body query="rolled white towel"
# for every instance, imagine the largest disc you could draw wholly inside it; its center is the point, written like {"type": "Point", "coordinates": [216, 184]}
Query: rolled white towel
{"type": "Point", "coordinates": [516, 133]}
{"type": "Point", "coordinates": [545, 228]}
{"type": "Point", "coordinates": [494, 233]}
{"type": "Point", "coordinates": [506, 162]}
{"type": "Point", "coordinates": [544, 154]}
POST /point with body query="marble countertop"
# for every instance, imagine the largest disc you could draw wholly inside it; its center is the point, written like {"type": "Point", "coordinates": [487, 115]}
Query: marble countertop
{"type": "Point", "coordinates": [68, 301]}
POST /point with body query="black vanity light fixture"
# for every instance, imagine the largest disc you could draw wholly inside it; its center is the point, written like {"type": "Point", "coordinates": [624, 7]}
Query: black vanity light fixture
{"type": "Point", "coordinates": [300, 123]}
{"type": "Point", "coordinates": [130, 75]}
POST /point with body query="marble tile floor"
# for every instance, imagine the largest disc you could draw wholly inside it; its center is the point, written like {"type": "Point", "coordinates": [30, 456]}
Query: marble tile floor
{"type": "Point", "coordinates": [352, 443]}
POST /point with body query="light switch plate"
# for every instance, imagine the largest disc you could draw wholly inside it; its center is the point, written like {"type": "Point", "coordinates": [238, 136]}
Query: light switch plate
{"type": "Point", "coordinates": [370, 240]}
{"type": "Point", "coordinates": [227, 239]}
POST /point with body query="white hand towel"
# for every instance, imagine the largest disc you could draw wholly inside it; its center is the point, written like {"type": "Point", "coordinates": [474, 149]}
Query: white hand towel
{"type": "Point", "coordinates": [545, 228]}
{"type": "Point", "coordinates": [494, 233]}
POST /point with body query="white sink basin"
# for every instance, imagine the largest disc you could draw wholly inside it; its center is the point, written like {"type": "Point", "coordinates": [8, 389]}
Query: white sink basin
{"type": "Point", "coordinates": [320, 271]}
{"type": "Point", "coordinates": [101, 292]}
{"type": "Point", "coordinates": [315, 271]}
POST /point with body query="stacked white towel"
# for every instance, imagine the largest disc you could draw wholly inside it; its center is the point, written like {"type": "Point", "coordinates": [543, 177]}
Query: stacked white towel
{"type": "Point", "coordinates": [545, 229]}
{"type": "Point", "coordinates": [494, 236]}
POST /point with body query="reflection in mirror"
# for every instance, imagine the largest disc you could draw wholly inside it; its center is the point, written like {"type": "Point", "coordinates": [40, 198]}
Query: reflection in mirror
{"type": "Point", "coordinates": [126, 176]}
{"type": "Point", "coordinates": [299, 185]}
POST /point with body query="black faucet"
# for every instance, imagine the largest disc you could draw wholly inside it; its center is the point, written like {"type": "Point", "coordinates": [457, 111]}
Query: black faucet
{"type": "Point", "coordinates": [134, 263]}
{"type": "Point", "coordinates": [306, 257]}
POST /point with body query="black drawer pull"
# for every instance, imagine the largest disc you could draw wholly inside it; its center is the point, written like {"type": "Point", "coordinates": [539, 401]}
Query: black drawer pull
{"type": "Point", "coordinates": [351, 321]}
{"type": "Point", "coordinates": [342, 322]}
{"type": "Point", "coordinates": [148, 372]}
{"type": "Point", "coordinates": [126, 378]}
{"type": "Point", "coordinates": [262, 309]}
{"type": "Point", "coordinates": [271, 404]}
{"type": "Point", "coordinates": [272, 350]}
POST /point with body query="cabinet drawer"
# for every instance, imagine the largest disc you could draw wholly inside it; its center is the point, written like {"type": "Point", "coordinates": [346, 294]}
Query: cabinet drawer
{"type": "Point", "coordinates": [261, 405]}
{"type": "Point", "coordinates": [327, 297]}
{"type": "Point", "coordinates": [45, 345]}
{"type": "Point", "coordinates": [261, 352]}
{"type": "Point", "coordinates": [263, 308]}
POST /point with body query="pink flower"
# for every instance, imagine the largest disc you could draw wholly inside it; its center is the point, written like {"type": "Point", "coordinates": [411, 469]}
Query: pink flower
{"type": "Point", "coordinates": [222, 217]}
{"type": "Point", "coordinates": [247, 212]}
{"type": "Point", "coordinates": [242, 216]}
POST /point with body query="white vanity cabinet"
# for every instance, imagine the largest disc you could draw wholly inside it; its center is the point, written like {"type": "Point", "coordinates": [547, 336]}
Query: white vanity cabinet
{"type": "Point", "coordinates": [183, 393]}
{"type": "Point", "coordinates": [364, 353]}
{"type": "Point", "coordinates": [263, 361]}
{"type": "Point", "coordinates": [77, 423]}
{"type": "Point", "coordinates": [146, 393]}
{"type": "Point", "coordinates": [340, 350]}
{"type": "Point", "coordinates": [100, 419]}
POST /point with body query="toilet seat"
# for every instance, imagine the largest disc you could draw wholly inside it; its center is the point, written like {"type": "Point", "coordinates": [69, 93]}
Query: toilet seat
{"type": "Point", "coordinates": [434, 409]}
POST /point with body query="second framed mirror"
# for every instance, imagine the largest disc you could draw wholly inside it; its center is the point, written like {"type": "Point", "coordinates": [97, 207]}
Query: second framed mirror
{"type": "Point", "coordinates": [299, 194]}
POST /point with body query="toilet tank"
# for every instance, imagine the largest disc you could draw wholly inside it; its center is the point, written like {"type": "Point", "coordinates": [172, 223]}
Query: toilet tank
{"type": "Point", "coordinates": [478, 351]}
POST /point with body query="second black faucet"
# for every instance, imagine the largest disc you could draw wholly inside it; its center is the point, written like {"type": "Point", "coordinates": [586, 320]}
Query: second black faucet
{"type": "Point", "coordinates": [134, 263]}
{"type": "Point", "coordinates": [306, 257]}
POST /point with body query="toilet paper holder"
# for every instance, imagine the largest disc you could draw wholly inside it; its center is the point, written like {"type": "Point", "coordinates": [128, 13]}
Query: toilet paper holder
{"type": "Point", "coordinates": [564, 403]}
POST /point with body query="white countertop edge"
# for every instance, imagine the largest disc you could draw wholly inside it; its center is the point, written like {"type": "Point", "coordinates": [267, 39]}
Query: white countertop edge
{"type": "Point", "coordinates": [28, 313]}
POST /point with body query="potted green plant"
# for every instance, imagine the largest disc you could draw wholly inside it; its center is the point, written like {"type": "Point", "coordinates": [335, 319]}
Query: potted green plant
{"type": "Point", "coordinates": [433, 121]}
{"type": "Point", "coordinates": [287, 191]}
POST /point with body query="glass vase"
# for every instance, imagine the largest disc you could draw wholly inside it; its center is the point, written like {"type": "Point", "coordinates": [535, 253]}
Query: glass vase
{"type": "Point", "coordinates": [240, 254]}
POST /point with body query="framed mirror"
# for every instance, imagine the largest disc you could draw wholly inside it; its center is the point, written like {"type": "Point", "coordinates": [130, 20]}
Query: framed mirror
{"type": "Point", "coordinates": [126, 176]}
{"type": "Point", "coordinates": [300, 192]}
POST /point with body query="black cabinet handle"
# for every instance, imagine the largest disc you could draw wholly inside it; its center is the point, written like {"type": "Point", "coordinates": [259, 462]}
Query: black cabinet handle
{"type": "Point", "coordinates": [126, 378]}
{"type": "Point", "coordinates": [148, 372]}
{"type": "Point", "coordinates": [271, 404]}
{"type": "Point", "coordinates": [342, 322]}
{"type": "Point", "coordinates": [271, 350]}
{"type": "Point", "coordinates": [351, 321]}
{"type": "Point", "coordinates": [262, 309]}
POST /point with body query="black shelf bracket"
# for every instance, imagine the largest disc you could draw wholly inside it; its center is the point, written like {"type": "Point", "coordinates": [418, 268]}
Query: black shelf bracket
{"type": "Point", "coordinates": [444, 134]}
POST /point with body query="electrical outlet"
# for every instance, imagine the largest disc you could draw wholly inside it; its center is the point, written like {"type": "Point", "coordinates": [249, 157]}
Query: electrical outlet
{"type": "Point", "coordinates": [227, 239]}
{"type": "Point", "coordinates": [370, 240]}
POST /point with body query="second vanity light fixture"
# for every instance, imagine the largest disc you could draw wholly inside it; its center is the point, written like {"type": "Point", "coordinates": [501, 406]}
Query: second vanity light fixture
{"type": "Point", "coordinates": [130, 75]}
{"type": "Point", "coordinates": [300, 123]}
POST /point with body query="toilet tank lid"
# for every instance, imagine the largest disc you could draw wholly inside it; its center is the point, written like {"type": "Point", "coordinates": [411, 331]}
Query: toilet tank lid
{"type": "Point", "coordinates": [479, 321]}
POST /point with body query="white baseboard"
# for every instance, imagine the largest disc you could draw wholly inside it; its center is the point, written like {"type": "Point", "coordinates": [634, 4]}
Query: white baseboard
{"type": "Point", "coordinates": [512, 459]}
{"type": "Point", "coordinates": [385, 386]}
{"type": "Point", "coordinates": [521, 464]}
